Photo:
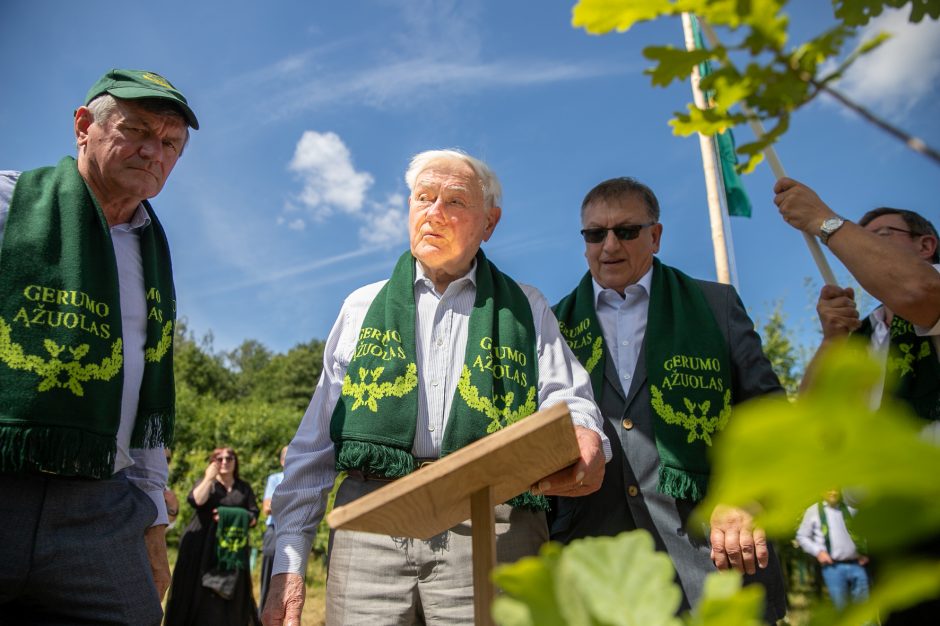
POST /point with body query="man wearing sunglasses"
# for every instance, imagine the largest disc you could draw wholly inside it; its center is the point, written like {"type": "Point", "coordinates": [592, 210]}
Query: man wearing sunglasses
{"type": "Point", "coordinates": [668, 356]}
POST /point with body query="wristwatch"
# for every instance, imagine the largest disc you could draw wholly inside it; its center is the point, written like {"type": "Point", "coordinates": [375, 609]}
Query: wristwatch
{"type": "Point", "coordinates": [828, 227]}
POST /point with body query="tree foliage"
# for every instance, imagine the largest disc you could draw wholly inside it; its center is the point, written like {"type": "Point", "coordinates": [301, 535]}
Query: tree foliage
{"type": "Point", "coordinates": [758, 71]}
{"type": "Point", "coordinates": [249, 399]}
{"type": "Point", "coordinates": [780, 350]}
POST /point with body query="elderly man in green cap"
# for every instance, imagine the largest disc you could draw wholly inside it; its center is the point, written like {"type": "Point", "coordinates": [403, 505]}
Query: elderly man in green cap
{"type": "Point", "coordinates": [87, 313]}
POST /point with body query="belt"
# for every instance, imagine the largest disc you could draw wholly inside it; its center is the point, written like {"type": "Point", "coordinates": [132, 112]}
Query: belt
{"type": "Point", "coordinates": [365, 476]}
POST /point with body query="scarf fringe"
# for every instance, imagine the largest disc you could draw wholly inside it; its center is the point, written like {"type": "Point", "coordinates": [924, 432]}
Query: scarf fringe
{"type": "Point", "coordinates": [155, 430]}
{"type": "Point", "coordinates": [373, 458]}
{"type": "Point", "coordinates": [681, 484]}
{"type": "Point", "coordinates": [58, 449]}
{"type": "Point", "coordinates": [530, 502]}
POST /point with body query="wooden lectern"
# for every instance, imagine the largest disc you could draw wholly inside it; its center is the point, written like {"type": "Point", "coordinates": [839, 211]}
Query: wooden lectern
{"type": "Point", "coordinates": [467, 485]}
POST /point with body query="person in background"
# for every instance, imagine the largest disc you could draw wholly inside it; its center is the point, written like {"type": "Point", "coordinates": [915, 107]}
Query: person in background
{"type": "Point", "coordinates": [270, 528]}
{"type": "Point", "coordinates": [212, 580]}
{"type": "Point", "coordinates": [169, 496]}
{"type": "Point", "coordinates": [826, 535]}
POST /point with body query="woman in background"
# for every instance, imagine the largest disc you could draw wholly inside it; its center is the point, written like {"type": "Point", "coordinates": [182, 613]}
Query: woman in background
{"type": "Point", "coordinates": [212, 581]}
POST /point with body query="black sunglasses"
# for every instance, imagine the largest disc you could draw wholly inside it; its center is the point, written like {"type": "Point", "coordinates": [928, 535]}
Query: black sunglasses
{"type": "Point", "coordinates": [623, 233]}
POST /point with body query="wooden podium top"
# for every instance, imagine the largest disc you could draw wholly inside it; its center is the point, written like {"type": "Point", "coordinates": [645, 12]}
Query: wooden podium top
{"type": "Point", "coordinates": [437, 497]}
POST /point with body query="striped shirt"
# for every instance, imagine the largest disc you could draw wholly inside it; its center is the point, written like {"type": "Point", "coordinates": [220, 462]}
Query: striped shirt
{"type": "Point", "coordinates": [441, 338]}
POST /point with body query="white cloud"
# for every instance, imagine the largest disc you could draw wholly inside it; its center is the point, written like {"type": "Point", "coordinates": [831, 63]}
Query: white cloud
{"type": "Point", "coordinates": [387, 223]}
{"type": "Point", "coordinates": [902, 71]}
{"type": "Point", "coordinates": [412, 82]}
{"type": "Point", "coordinates": [330, 181]}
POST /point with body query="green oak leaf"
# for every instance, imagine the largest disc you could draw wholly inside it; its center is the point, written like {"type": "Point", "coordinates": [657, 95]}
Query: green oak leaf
{"type": "Point", "coordinates": [724, 601]}
{"type": "Point", "coordinates": [602, 16]}
{"type": "Point", "coordinates": [528, 597]}
{"type": "Point", "coordinates": [783, 455]}
{"type": "Point", "coordinates": [618, 581]}
{"type": "Point", "coordinates": [673, 63]}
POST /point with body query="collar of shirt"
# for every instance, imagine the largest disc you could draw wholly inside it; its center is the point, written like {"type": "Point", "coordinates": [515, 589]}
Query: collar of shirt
{"type": "Point", "coordinates": [610, 297]}
{"type": "Point", "coordinates": [422, 280]}
{"type": "Point", "coordinates": [139, 220]}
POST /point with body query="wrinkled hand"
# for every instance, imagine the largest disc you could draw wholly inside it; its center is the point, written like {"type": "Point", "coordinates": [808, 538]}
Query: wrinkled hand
{"type": "Point", "coordinates": [824, 558]}
{"type": "Point", "coordinates": [800, 207]}
{"type": "Point", "coordinates": [736, 544]}
{"type": "Point", "coordinates": [285, 601]}
{"type": "Point", "coordinates": [583, 477]}
{"type": "Point", "coordinates": [837, 312]}
{"type": "Point", "coordinates": [155, 540]}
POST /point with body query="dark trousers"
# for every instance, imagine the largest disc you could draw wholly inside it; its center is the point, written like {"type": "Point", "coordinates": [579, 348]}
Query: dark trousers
{"type": "Point", "coordinates": [73, 552]}
{"type": "Point", "coordinates": [267, 563]}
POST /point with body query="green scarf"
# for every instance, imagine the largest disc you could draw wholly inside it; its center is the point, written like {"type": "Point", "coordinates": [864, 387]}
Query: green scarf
{"type": "Point", "coordinates": [231, 536]}
{"type": "Point", "coordinates": [577, 320]}
{"type": "Point", "coordinates": [849, 526]}
{"type": "Point", "coordinates": [373, 424]}
{"type": "Point", "coordinates": [688, 366]}
{"type": "Point", "coordinates": [913, 372]}
{"type": "Point", "coordinates": [61, 348]}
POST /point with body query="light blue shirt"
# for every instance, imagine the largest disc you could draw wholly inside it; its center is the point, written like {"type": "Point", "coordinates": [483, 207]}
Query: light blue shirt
{"type": "Point", "coordinates": [145, 468]}
{"type": "Point", "coordinates": [273, 481]}
{"type": "Point", "coordinates": [623, 321]}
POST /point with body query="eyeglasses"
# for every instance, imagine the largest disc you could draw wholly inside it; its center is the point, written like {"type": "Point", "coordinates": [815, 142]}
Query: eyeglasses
{"type": "Point", "coordinates": [623, 233]}
{"type": "Point", "coordinates": [224, 458]}
{"type": "Point", "coordinates": [887, 231]}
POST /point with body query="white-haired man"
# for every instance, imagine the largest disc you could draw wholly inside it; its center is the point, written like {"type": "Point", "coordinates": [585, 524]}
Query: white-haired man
{"type": "Point", "coordinates": [416, 367]}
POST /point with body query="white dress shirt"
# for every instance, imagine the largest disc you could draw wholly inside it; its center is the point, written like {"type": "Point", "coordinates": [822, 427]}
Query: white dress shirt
{"type": "Point", "coordinates": [441, 338]}
{"type": "Point", "coordinates": [145, 468]}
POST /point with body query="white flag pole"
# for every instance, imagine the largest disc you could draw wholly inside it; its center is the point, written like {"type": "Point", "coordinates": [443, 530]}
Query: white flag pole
{"type": "Point", "coordinates": [713, 191]}
{"type": "Point", "coordinates": [776, 166]}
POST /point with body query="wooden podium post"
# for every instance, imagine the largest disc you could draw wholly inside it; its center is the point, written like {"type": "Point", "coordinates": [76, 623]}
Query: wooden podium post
{"type": "Point", "coordinates": [466, 485]}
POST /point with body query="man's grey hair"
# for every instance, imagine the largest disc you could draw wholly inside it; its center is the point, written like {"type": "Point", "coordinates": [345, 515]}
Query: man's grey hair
{"type": "Point", "coordinates": [102, 108]}
{"type": "Point", "coordinates": [492, 190]}
{"type": "Point", "coordinates": [916, 223]}
{"type": "Point", "coordinates": [623, 187]}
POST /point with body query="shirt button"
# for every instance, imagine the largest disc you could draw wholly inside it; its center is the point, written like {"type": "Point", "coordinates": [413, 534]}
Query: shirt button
{"type": "Point", "coordinates": [440, 342]}
{"type": "Point", "coordinates": [633, 490]}
{"type": "Point", "coordinates": [434, 383]}
{"type": "Point", "coordinates": [431, 428]}
{"type": "Point", "coordinates": [625, 343]}
{"type": "Point", "coordinates": [626, 376]}
{"type": "Point", "coordinates": [627, 423]}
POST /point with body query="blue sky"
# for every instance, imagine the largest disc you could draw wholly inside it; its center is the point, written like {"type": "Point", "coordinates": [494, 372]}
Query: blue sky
{"type": "Point", "coordinates": [292, 193]}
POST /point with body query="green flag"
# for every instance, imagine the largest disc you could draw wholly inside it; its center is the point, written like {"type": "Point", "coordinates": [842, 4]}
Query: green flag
{"type": "Point", "coordinates": [737, 201]}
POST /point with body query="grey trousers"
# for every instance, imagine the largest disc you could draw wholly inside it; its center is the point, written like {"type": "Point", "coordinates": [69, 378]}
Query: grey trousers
{"type": "Point", "coordinates": [378, 580]}
{"type": "Point", "coordinates": [73, 552]}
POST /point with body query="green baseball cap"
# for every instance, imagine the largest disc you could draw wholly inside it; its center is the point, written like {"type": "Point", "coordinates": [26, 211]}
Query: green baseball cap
{"type": "Point", "coordinates": [133, 84]}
